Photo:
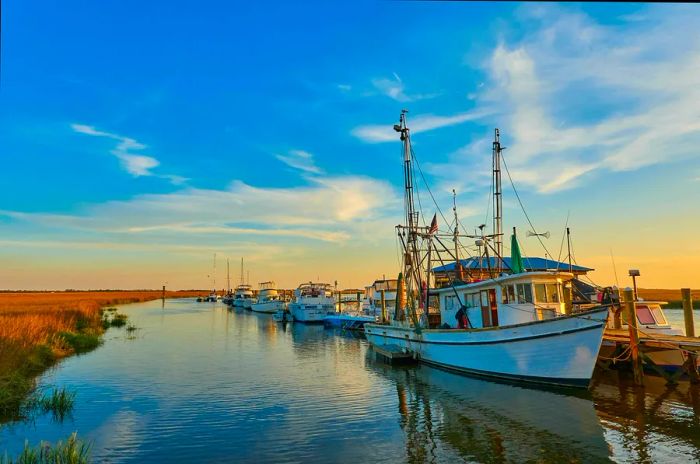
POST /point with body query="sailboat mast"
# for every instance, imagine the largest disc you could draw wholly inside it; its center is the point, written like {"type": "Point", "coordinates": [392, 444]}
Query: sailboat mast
{"type": "Point", "coordinates": [214, 281]}
{"type": "Point", "coordinates": [228, 277]}
{"type": "Point", "coordinates": [497, 201]}
{"type": "Point", "coordinates": [242, 271]}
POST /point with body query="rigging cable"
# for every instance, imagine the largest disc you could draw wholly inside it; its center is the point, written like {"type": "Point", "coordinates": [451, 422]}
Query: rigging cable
{"type": "Point", "coordinates": [522, 206]}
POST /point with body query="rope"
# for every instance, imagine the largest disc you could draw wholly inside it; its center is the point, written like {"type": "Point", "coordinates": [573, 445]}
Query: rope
{"type": "Point", "coordinates": [523, 207]}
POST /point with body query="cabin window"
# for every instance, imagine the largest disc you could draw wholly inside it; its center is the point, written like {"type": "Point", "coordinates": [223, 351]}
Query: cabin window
{"type": "Point", "coordinates": [552, 293]}
{"type": "Point", "coordinates": [644, 315]}
{"type": "Point", "coordinates": [540, 293]}
{"type": "Point", "coordinates": [508, 293]}
{"type": "Point", "coordinates": [471, 300]}
{"type": "Point", "coordinates": [524, 293]}
{"type": "Point", "coordinates": [450, 302]}
{"type": "Point", "coordinates": [658, 315]}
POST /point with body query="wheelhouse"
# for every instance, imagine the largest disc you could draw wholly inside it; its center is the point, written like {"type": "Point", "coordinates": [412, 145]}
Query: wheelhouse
{"type": "Point", "coordinates": [506, 300]}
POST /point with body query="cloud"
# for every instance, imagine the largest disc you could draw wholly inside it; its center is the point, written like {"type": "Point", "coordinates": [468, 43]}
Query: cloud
{"type": "Point", "coordinates": [332, 209]}
{"type": "Point", "coordinates": [344, 87]}
{"type": "Point", "coordinates": [576, 98]}
{"type": "Point", "coordinates": [135, 164]}
{"type": "Point", "coordinates": [300, 159]}
{"type": "Point", "coordinates": [376, 133]}
{"type": "Point", "coordinates": [395, 89]}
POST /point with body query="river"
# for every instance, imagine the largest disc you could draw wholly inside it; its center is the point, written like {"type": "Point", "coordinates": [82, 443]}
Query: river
{"type": "Point", "coordinates": [201, 383]}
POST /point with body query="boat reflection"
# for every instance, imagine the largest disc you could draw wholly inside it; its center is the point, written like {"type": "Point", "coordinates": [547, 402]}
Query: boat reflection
{"type": "Point", "coordinates": [484, 421]}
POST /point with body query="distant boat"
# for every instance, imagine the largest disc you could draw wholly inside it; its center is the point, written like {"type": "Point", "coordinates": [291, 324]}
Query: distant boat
{"type": "Point", "coordinates": [514, 325]}
{"type": "Point", "coordinates": [269, 300]}
{"type": "Point", "coordinates": [312, 302]}
{"type": "Point", "coordinates": [243, 296]}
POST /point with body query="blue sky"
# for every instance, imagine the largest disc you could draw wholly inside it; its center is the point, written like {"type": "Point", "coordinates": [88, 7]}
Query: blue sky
{"type": "Point", "coordinates": [140, 138]}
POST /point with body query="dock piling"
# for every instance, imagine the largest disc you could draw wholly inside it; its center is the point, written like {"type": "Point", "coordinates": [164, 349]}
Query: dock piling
{"type": "Point", "coordinates": [631, 319]}
{"type": "Point", "coordinates": [382, 293]}
{"type": "Point", "coordinates": [691, 362]}
{"type": "Point", "coordinates": [688, 312]}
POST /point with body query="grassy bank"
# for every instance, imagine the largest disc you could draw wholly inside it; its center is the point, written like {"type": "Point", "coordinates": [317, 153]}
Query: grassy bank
{"type": "Point", "coordinates": [672, 297]}
{"type": "Point", "coordinates": [39, 328]}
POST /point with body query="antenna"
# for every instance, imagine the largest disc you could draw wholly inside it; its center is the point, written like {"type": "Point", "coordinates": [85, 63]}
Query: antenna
{"type": "Point", "coordinates": [458, 264]}
{"type": "Point", "coordinates": [617, 283]}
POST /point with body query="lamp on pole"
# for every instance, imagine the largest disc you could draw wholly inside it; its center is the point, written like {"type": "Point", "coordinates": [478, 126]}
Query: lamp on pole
{"type": "Point", "coordinates": [634, 273]}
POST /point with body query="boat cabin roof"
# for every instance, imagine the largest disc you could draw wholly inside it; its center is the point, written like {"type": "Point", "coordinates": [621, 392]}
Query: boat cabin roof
{"type": "Point", "coordinates": [509, 279]}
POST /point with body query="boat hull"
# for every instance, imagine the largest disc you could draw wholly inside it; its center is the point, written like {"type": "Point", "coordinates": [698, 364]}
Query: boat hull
{"type": "Point", "coordinates": [308, 313]}
{"type": "Point", "coordinates": [268, 306]}
{"type": "Point", "coordinates": [349, 322]}
{"type": "Point", "coordinates": [561, 351]}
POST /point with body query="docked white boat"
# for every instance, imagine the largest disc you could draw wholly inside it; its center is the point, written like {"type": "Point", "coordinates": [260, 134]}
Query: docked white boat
{"type": "Point", "coordinates": [509, 324]}
{"type": "Point", "coordinates": [312, 302]}
{"type": "Point", "coordinates": [283, 315]}
{"type": "Point", "coordinates": [269, 300]}
{"type": "Point", "coordinates": [243, 297]}
{"type": "Point", "coordinates": [651, 321]}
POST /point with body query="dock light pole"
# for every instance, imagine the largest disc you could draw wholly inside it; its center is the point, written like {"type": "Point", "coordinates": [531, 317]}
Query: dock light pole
{"type": "Point", "coordinates": [634, 273]}
{"type": "Point", "coordinates": [631, 316]}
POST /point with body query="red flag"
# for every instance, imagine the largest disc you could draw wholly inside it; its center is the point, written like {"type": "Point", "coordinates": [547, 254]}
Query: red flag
{"type": "Point", "coordinates": [433, 225]}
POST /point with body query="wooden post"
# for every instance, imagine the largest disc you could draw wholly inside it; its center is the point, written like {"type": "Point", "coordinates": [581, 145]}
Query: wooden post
{"type": "Point", "coordinates": [381, 292]}
{"type": "Point", "coordinates": [631, 319]}
{"type": "Point", "coordinates": [568, 300]}
{"type": "Point", "coordinates": [163, 295]}
{"type": "Point", "coordinates": [359, 303]}
{"type": "Point", "coordinates": [691, 362]}
{"type": "Point", "coordinates": [617, 319]}
{"type": "Point", "coordinates": [688, 312]}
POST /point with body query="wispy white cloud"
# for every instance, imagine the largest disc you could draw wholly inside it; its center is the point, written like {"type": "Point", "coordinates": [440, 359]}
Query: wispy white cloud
{"type": "Point", "coordinates": [135, 164]}
{"type": "Point", "coordinates": [344, 87]}
{"type": "Point", "coordinates": [396, 90]}
{"type": "Point", "coordinates": [300, 159]}
{"type": "Point", "coordinates": [376, 133]}
{"type": "Point", "coordinates": [329, 209]}
{"type": "Point", "coordinates": [577, 97]}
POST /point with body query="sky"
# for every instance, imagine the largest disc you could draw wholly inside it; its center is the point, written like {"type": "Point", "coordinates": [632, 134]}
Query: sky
{"type": "Point", "coordinates": [139, 139]}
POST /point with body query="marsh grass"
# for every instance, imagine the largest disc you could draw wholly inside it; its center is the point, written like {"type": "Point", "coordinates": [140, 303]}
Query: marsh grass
{"type": "Point", "coordinates": [59, 403]}
{"type": "Point", "coordinates": [39, 328]}
{"type": "Point", "coordinates": [119, 320]}
{"type": "Point", "coordinates": [72, 451]}
{"type": "Point", "coordinates": [80, 342]}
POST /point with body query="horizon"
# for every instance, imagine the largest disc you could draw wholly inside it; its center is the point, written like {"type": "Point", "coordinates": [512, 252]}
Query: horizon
{"type": "Point", "coordinates": [140, 140]}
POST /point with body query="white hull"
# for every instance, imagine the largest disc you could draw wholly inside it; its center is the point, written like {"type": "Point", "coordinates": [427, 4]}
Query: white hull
{"type": "Point", "coordinates": [560, 351]}
{"type": "Point", "coordinates": [308, 313]}
{"type": "Point", "coordinates": [268, 306]}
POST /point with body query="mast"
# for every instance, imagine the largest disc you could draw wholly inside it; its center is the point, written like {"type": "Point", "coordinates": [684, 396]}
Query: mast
{"type": "Point", "coordinates": [497, 201]}
{"type": "Point", "coordinates": [411, 256]}
{"type": "Point", "coordinates": [214, 281]}
{"type": "Point", "coordinates": [458, 264]}
{"type": "Point", "coordinates": [568, 247]}
{"type": "Point", "coordinates": [241, 271]}
{"type": "Point", "coordinates": [228, 277]}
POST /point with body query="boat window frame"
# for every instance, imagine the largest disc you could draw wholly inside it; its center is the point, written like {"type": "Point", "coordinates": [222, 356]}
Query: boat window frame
{"type": "Point", "coordinates": [658, 313]}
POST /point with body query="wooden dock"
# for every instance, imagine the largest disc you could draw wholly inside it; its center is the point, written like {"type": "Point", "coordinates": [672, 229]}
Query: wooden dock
{"type": "Point", "coordinates": [654, 343]}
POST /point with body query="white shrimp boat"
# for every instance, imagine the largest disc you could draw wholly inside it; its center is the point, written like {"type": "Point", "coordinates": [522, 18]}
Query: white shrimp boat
{"type": "Point", "coordinates": [312, 302]}
{"type": "Point", "coordinates": [515, 325]}
{"type": "Point", "coordinates": [269, 300]}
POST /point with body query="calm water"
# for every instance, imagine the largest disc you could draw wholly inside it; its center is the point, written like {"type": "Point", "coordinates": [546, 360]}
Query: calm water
{"type": "Point", "coordinates": [200, 383]}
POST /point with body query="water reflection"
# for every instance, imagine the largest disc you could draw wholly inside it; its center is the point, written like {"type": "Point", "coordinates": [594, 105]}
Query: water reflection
{"type": "Point", "coordinates": [202, 383]}
{"type": "Point", "coordinates": [483, 421]}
